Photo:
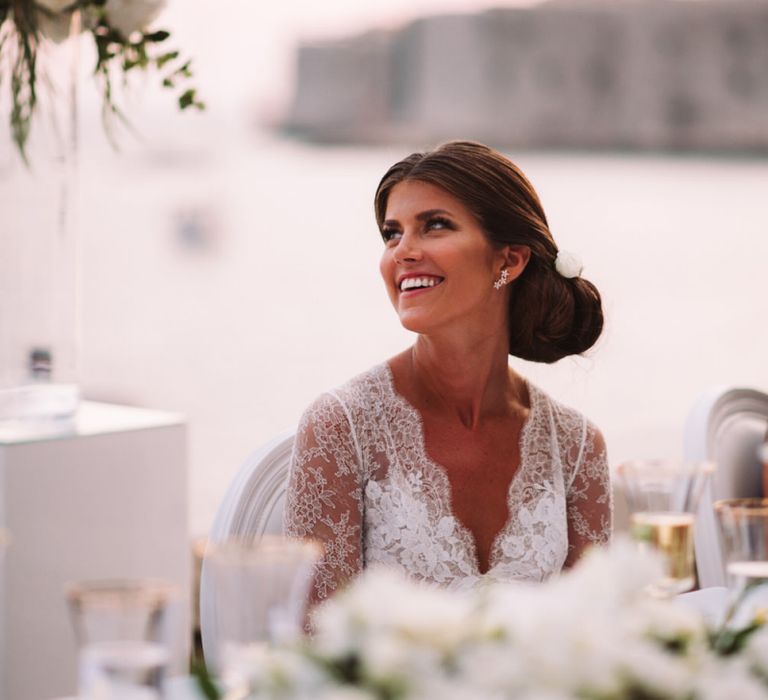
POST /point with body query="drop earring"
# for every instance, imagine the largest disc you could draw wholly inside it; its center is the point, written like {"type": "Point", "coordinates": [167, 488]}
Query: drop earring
{"type": "Point", "coordinates": [503, 279]}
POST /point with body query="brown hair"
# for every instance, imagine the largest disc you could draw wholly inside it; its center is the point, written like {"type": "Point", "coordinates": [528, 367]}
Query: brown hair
{"type": "Point", "coordinates": [550, 316]}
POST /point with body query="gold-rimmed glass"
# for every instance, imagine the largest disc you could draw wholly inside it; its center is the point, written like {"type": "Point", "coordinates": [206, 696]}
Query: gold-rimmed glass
{"type": "Point", "coordinates": [743, 526]}
{"type": "Point", "coordinates": [662, 496]}
{"type": "Point", "coordinates": [124, 629]}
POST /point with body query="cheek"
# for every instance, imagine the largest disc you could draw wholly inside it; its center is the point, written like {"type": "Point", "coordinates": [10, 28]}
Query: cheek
{"type": "Point", "coordinates": [386, 266]}
{"type": "Point", "coordinates": [383, 266]}
{"type": "Point", "coordinates": [386, 269]}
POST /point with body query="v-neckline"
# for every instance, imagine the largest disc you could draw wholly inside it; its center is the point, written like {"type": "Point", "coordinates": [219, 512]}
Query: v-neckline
{"type": "Point", "coordinates": [523, 440]}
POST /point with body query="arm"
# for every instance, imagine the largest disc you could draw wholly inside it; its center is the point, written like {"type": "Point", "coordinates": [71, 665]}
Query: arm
{"type": "Point", "coordinates": [324, 497]}
{"type": "Point", "coordinates": [589, 500]}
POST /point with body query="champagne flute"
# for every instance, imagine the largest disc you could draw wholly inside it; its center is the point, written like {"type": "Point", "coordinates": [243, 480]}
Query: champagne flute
{"type": "Point", "coordinates": [663, 496]}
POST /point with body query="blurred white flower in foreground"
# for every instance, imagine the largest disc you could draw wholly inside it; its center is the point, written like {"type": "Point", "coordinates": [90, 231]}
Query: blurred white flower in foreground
{"type": "Point", "coordinates": [594, 632]}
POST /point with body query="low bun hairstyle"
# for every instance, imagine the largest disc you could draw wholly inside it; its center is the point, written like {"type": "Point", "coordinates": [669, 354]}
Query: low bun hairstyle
{"type": "Point", "coordinates": [550, 316]}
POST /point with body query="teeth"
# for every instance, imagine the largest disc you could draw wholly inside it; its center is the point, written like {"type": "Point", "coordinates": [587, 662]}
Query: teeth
{"type": "Point", "coordinates": [417, 282]}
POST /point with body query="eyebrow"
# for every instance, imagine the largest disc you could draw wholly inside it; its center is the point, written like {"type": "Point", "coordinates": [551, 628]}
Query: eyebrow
{"type": "Point", "coordinates": [423, 216]}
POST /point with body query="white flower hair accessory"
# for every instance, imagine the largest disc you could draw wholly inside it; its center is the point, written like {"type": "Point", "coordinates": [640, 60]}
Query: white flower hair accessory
{"type": "Point", "coordinates": [569, 265]}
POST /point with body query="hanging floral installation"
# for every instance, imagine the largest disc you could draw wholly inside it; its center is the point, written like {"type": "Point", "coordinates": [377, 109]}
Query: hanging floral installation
{"type": "Point", "coordinates": [123, 41]}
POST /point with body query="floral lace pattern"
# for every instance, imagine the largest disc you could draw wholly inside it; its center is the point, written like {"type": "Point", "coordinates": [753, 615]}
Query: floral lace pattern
{"type": "Point", "coordinates": [362, 483]}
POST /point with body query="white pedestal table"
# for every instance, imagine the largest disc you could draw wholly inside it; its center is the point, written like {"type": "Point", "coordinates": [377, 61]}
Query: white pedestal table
{"type": "Point", "coordinates": [103, 496]}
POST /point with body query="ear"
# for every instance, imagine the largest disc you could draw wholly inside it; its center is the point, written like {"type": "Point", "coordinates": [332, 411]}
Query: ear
{"type": "Point", "coordinates": [515, 259]}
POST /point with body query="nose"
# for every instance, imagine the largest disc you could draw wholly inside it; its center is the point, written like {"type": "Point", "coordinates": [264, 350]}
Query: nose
{"type": "Point", "coordinates": [408, 248]}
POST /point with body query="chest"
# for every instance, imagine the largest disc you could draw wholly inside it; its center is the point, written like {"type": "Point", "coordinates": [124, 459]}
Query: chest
{"type": "Point", "coordinates": [499, 492]}
{"type": "Point", "coordinates": [480, 466]}
{"type": "Point", "coordinates": [480, 462]}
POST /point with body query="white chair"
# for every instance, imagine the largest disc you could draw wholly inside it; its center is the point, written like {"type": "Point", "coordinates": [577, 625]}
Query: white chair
{"type": "Point", "coordinates": [252, 506]}
{"type": "Point", "coordinates": [725, 426]}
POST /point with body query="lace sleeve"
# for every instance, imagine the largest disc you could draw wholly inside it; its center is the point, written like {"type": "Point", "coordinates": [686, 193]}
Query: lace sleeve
{"type": "Point", "coordinates": [590, 502]}
{"type": "Point", "coordinates": [324, 497]}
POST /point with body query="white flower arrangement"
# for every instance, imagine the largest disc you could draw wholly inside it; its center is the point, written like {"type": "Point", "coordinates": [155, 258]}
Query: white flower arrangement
{"type": "Point", "coordinates": [123, 41]}
{"type": "Point", "coordinates": [591, 634]}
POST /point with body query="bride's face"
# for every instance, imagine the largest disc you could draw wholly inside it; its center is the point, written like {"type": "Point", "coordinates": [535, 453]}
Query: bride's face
{"type": "Point", "coordinates": [438, 265]}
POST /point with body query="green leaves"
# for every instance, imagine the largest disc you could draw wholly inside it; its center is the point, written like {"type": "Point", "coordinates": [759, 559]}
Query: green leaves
{"type": "Point", "coordinates": [160, 61]}
{"type": "Point", "coordinates": [157, 36]}
{"type": "Point", "coordinates": [23, 72]}
{"type": "Point", "coordinates": [140, 53]}
{"type": "Point", "coordinates": [188, 99]}
{"type": "Point", "coordinates": [728, 642]}
{"type": "Point", "coordinates": [205, 681]}
{"type": "Point", "coordinates": [116, 58]}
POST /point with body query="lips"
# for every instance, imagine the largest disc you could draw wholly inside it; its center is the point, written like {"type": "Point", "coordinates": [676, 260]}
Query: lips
{"type": "Point", "coordinates": [418, 282]}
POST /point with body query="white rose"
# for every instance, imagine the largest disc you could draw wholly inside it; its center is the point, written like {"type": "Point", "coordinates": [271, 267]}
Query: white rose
{"type": "Point", "coordinates": [757, 651]}
{"type": "Point", "coordinates": [568, 264]}
{"type": "Point", "coordinates": [336, 631]}
{"type": "Point", "coordinates": [665, 620]}
{"type": "Point", "coordinates": [128, 16]}
{"type": "Point", "coordinates": [383, 601]}
{"type": "Point", "coordinates": [729, 680]}
{"type": "Point", "coordinates": [342, 693]}
{"type": "Point", "coordinates": [545, 694]}
{"type": "Point", "coordinates": [441, 687]}
{"type": "Point", "coordinates": [612, 576]}
{"type": "Point", "coordinates": [659, 672]}
{"type": "Point", "coordinates": [385, 656]}
{"type": "Point", "coordinates": [493, 666]}
{"type": "Point", "coordinates": [54, 5]}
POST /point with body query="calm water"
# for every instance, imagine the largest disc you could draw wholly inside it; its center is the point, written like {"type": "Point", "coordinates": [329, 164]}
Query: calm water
{"type": "Point", "coordinates": [277, 296]}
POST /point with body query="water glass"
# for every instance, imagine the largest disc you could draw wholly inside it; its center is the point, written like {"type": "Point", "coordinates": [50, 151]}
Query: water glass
{"type": "Point", "coordinates": [663, 496]}
{"type": "Point", "coordinates": [743, 524]}
{"type": "Point", "coordinates": [124, 634]}
{"type": "Point", "coordinates": [260, 589]}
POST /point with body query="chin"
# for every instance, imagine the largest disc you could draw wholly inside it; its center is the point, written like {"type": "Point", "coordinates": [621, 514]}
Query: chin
{"type": "Point", "coordinates": [416, 323]}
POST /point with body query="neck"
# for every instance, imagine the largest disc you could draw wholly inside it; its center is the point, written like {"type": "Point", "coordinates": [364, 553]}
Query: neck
{"type": "Point", "coordinates": [469, 380]}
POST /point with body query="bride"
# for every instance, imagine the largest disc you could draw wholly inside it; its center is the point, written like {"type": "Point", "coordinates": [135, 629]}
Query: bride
{"type": "Point", "coordinates": [443, 461]}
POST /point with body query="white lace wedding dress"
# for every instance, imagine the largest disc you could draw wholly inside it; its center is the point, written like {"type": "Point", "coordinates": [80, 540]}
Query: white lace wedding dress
{"type": "Point", "coordinates": [362, 482]}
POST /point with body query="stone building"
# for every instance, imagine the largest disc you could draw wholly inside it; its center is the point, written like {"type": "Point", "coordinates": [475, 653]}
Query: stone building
{"type": "Point", "coordinates": [637, 74]}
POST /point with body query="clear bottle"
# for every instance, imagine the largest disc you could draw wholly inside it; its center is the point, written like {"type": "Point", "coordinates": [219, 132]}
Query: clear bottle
{"type": "Point", "coordinates": [39, 398]}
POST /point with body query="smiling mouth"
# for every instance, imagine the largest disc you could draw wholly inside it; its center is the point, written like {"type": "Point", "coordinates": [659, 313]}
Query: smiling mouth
{"type": "Point", "coordinates": [413, 283]}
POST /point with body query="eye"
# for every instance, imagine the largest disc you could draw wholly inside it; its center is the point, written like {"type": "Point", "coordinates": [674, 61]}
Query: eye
{"type": "Point", "coordinates": [439, 223]}
{"type": "Point", "coordinates": [391, 234]}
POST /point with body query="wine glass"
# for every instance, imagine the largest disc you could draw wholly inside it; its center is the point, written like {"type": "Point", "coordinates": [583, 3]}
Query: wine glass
{"type": "Point", "coordinates": [663, 496]}
{"type": "Point", "coordinates": [260, 589]}
{"type": "Point", "coordinates": [124, 632]}
{"type": "Point", "coordinates": [743, 525]}
{"type": "Point", "coordinates": [763, 455]}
